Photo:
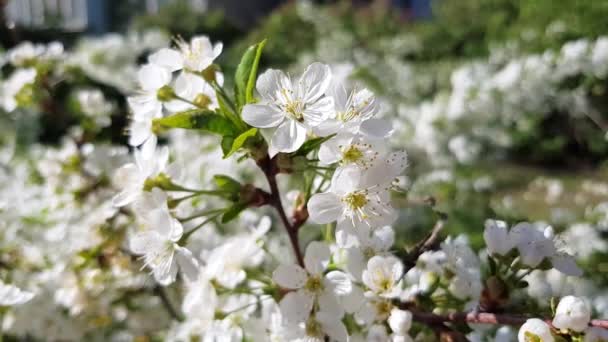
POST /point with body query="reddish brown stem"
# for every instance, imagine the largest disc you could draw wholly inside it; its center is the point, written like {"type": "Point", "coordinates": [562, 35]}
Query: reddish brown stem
{"type": "Point", "coordinates": [269, 168]}
{"type": "Point", "coordinates": [483, 318]}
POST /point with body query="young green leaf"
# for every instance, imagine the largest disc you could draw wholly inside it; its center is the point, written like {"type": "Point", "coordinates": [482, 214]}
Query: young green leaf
{"type": "Point", "coordinates": [200, 119]}
{"type": "Point", "coordinates": [239, 141]}
{"type": "Point", "coordinates": [312, 145]}
{"type": "Point", "coordinates": [227, 184]}
{"type": "Point", "coordinates": [233, 212]}
{"type": "Point", "coordinates": [246, 74]}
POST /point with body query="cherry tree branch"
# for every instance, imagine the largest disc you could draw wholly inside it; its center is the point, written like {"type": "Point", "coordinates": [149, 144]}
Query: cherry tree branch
{"type": "Point", "coordinates": [269, 168]}
{"type": "Point", "coordinates": [426, 244]}
{"type": "Point", "coordinates": [429, 318]}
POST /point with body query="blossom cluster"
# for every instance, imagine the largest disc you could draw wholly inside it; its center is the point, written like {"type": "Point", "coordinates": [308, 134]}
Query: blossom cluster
{"type": "Point", "coordinates": [217, 204]}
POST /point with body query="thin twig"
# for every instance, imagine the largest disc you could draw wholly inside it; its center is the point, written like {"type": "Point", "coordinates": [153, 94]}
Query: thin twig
{"type": "Point", "coordinates": [160, 292]}
{"type": "Point", "coordinates": [426, 244]}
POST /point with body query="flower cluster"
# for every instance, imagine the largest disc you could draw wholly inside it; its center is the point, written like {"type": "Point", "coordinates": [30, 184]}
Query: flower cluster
{"type": "Point", "coordinates": [217, 204]}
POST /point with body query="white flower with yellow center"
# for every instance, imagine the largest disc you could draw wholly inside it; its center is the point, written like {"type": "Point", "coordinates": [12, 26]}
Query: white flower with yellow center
{"type": "Point", "coordinates": [355, 198]}
{"type": "Point", "coordinates": [354, 113]}
{"type": "Point", "coordinates": [383, 276]}
{"type": "Point", "coordinates": [292, 107]}
{"type": "Point", "coordinates": [157, 243]}
{"type": "Point", "coordinates": [351, 150]}
{"type": "Point", "coordinates": [313, 289]}
{"type": "Point", "coordinates": [199, 54]}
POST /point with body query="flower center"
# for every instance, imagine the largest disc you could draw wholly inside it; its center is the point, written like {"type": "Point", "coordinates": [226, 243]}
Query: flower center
{"type": "Point", "coordinates": [294, 109]}
{"type": "Point", "coordinates": [355, 200]}
{"type": "Point", "coordinates": [313, 328]}
{"type": "Point", "coordinates": [383, 308]}
{"type": "Point", "coordinates": [352, 154]}
{"type": "Point", "coordinates": [369, 252]}
{"type": "Point", "coordinates": [314, 284]}
{"type": "Point", "coordinates": [348, 115]}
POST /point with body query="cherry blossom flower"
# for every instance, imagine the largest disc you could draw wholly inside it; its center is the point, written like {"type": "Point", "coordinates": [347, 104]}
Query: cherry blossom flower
{"type": "Point", "coordinates": [572, 313]}
{"type": "Point", "coordinates": [312, 287]}
{"type": "Point", "coordinates": [293, 107]}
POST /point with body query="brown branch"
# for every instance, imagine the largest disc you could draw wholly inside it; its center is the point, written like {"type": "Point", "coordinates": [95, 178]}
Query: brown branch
{"type": "Point", "coordinates": [269, 167]}
{"type": "Point", "coordinates": [430, 242]}
{"type": "Point", "coordinates": [483, 318]}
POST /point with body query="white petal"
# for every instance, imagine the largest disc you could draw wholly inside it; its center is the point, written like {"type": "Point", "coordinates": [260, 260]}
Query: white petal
{"type": "Point", "coordinates": [346, 234]}
{"type": "Point", "coordinates": [176, 230]}
{"type": "Point", "coordinates": [139, 131]}
{"type": "Point", "coordinates": [125, 197]}
{"type": "Point", "coordinates": [166, 276]}
{"type": "Point", "coordinates": [332, 326]}
{"type": "Point", "coordinates": [325, 208]}
{"type": "Point", "coordinates": [269, 83]}
{"type": "Point", "coordinates": [314, 81]}
{"type": "Point", "coordinates": [289, 136]}
{"type": "Point", "coordinates": [316, 257]}
{"type": "Point", "coordinates": [295, 306]}
{"type": "Point", "coordinates": [566, 264]}
{"type": "Point", "coordinates": [355, 262]}
{"type": "Point", "coordinates": [262, 116]}
{"type": "Point", "coordinates": [152, 77]}
{"type": "Point", "coordinates": [187, 263]}
{"type": "Point", "coordinates": [11, 295]}
{"type": "Point", "coordinates": [217, 49]}
{"type": "Point", "coordinates": [354, 300]}
{"type": "Point", "coordinates": [376, 128]}
{"type": "Point", "coordinates": [346, 179]}
{"type": "Point", "coordinates": [144, 242]}
{"type": "Point", "coordinates": [328, 302]}
{"type": "Point", "coordinates": [290, 276]}
{"type": "Point", "coordinates": [167, 58]}
{"type": "Point", "coordinates": [328, 127]}
{"type": "Point", "coordinates": [339, 94]}
{"type": "Point", "coordinates": [340, 282]}
{"type": "Point", "coordinates": [319, 111]}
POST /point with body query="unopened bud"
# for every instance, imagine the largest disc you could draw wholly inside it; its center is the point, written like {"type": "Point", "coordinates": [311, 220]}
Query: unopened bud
{"type": "Point", "coordinates": [165, 94]}
{"type": "Point", "coordinates": [202, 101]}
{"type": "Point", "coordinates": [209, 74]}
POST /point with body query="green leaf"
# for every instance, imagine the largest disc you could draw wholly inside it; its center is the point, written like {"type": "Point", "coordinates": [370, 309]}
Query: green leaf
{"type": "Point", "coordinates": [226, 143]}
{"type": "Point", "coordinates": [201, 119]}
{"type": "Point", "coordinates": [246, 74]}
{"type": "Point", "coordinates": [233, 212]}
{"type": "Point", "coordinates": [225, 108]}
{"type": "Point", "coordinates": [226, 183]}
{"type": "Point", "coordinates": [239, 141]}
{"type": "Point", "coordinates": [312, 145]}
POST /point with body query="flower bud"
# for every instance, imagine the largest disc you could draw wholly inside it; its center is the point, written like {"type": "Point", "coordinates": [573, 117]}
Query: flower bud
{"type": "Point", "coordinates": [165, 94]}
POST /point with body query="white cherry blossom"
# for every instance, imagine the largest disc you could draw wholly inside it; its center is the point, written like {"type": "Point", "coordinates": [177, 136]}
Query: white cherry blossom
{"type": "Point", "coordinates": [11, 295]}
{"type": "Point", "coordinates": [572, 313]}
{"type": "Point", "coordinates": [535, 328]}
{"type": "Point", "coordinates": [351, 198]}
{"type": "Point", "coordinates": [383, 276]}
{"type": "Point", "coordinates": [158, 242]}
{"type": "Point", "coordinates": [131, 177]}
{"type": "Point", "coordinates": [312, 287]}
{"type": "Point", "coordinates": [293, 107]}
